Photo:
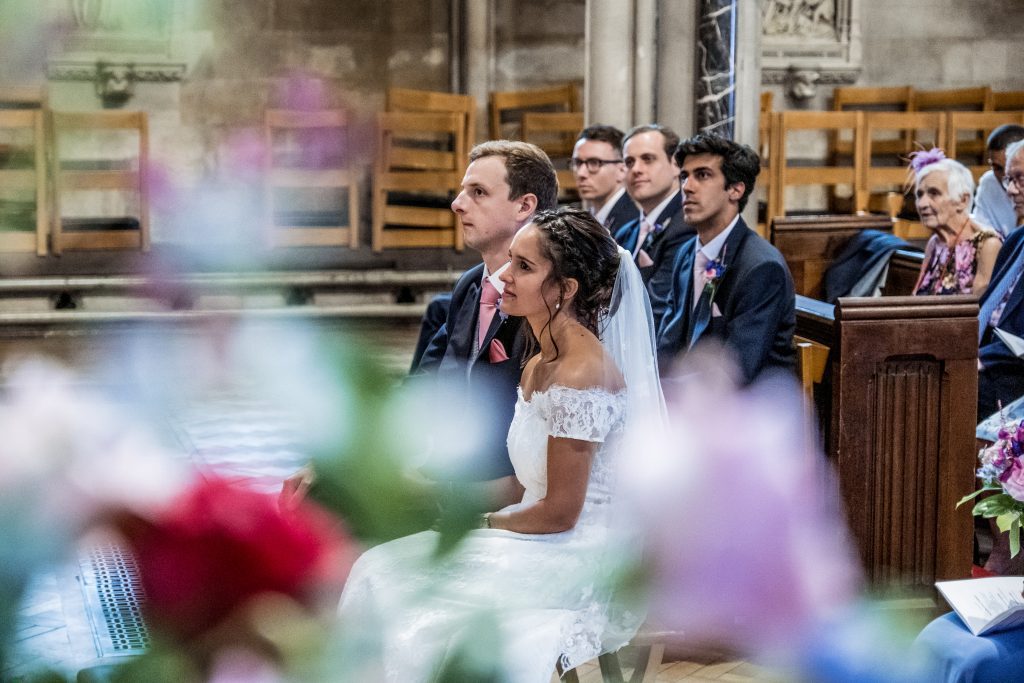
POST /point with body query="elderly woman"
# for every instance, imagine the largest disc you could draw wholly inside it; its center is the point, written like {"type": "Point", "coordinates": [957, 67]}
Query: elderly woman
{"type": "Point", "coordinates": [960, 254]}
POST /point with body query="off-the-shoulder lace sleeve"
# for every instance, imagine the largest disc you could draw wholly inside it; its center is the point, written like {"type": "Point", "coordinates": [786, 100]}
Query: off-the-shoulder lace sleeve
{"type": "Point", "coordinates": [584, 414]}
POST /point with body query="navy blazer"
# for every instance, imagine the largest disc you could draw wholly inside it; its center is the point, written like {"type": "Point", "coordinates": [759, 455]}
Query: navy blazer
{"type": "Point", "coordinates": [622, 212]}
{"type": "Point", "coordinates": [993, 353]}
{"type": "Point", "coordinates": [756, 299]}
{"type": "Point", "coordinates": [492, 384]}
{"type": "Point", "coordinates": [663, 248]}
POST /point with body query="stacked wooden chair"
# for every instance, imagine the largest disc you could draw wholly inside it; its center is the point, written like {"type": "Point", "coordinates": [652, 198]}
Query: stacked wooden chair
{"type": "Point", "coordinates": [422, 148]}
{"type": "Point", "coordinates": [24, 187]}
{"type": "Point", "coordinates": [311, 192]}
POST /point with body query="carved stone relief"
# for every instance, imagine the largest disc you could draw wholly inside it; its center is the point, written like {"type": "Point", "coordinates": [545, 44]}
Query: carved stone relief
{"type": "Point", "coordinates": [806, 43]}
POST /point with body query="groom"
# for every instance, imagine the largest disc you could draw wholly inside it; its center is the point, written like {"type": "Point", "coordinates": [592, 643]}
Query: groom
{"type": "Point", "coordinates": [505, 184]}
{"type": "Point", "coordinates": [728, 283]}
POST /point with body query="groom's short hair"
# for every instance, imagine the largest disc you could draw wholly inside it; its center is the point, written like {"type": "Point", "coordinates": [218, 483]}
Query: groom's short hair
{"type": "Point", "coordinates": [528, 170]}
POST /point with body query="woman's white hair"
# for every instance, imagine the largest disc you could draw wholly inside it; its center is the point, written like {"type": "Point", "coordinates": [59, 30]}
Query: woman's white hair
{"type": "Point", "coordinates": [959, 180]}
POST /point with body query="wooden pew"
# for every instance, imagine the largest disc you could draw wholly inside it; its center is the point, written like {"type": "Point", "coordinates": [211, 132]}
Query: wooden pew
{"type": "Point", "coordinates": [900, 429]}
{"type": "Point", "coordinates": [810, 244]}
{"type": "Point", "coordinates": [904, 267]}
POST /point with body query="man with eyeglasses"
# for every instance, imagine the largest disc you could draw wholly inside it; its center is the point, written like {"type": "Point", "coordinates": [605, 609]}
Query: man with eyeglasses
{"type": "Point", "coordinates": [992, 205]}
{"type": "Point", "coordinates": [597, 164]}
{"type": "Point", "coordinates": [656, 234]}
{"type": "Point", "coordinates": [1000, 371]}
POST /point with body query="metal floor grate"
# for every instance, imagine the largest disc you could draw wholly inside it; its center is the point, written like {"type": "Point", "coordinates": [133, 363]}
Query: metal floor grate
{"type": "Point", "coordinates": [114, 600]}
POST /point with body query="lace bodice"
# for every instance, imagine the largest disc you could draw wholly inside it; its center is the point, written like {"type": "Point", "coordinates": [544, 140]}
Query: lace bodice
{"type": "Point", "coordinates": [593, 414]}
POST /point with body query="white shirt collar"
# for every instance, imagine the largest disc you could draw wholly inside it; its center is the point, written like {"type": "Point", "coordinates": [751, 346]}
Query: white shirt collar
{"type": "Point", "coordinates": [653, 215]}
{"type": "Point", "coordinates": [601, 215]}
{"type": "Point", "coordinates": [714, 247]}
{"type": "Point", "coordinates": [495, 277]}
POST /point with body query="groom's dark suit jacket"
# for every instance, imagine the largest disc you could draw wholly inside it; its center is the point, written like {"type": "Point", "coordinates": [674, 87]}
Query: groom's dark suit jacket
{"type": "Point", "coordinates": [491, 385]}
{"type": "Point", "coordinates": [1002, 378]}
{"type": "Point", "coordinates": [663, 246]}
{"type": "Point", "coordinates": [756, 300]}
{"type": "Point", "coordinates": [622, 212]}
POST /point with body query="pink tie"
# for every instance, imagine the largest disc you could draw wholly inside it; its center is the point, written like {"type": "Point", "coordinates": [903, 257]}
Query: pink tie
{"type": "Point", "coordinates": [700, 264]}
{"type": "Point", "coordinates": [488, 306]}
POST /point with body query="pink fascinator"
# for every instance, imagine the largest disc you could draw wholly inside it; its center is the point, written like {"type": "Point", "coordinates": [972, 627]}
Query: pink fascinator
{"type": "Point", "coordinates": [925, 157]}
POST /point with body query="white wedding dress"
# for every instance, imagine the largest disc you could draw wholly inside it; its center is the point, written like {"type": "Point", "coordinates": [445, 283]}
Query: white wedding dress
{"type": "Point", "coordinates": [549, 594]}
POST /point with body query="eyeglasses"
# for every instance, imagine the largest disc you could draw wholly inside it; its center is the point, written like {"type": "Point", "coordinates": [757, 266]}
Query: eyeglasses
{"type": "Point", "coordinates": [593, 165]}
{"type": "Point", "coordinates": [1017, 180]}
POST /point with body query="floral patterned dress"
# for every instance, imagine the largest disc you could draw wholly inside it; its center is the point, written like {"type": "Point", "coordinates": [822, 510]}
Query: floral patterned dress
{"type": "Point", "coordinates": [952, 273]}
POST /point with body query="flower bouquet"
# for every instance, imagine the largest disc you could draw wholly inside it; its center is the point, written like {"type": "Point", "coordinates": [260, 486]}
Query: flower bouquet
{"type": "Point", "coordinates": [1002, 474]}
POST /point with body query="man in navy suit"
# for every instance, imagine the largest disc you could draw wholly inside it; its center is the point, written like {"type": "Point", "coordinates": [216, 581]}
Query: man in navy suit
{"type": "Point", "coordinates": [1000, 372]}
{"type": "Point", "coordinates": [728, 284]}
{"type": "Point", "coordinates": [597, 164]}
{"type": "Point", "coordinates": [657, 231]}
{"type": "Point", "coordinates": [504, 185]}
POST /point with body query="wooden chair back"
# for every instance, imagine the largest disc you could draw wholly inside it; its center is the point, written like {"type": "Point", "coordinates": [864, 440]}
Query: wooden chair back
{"type": "Point", "coordinates": [418, 172]}
{"type": "Point", "coordinates": [1012, 100]}
{"type": "Point", "coordinates": [889, 171]}
{"type": "Point", "coordinates": [952, 99]}
{"type": "Point", "coordinates": [308, 160]}
{"type": "Point", "coordinates": [556, 133]}
{"type": "Point", "coordinates": [977, 125]}
{"type": "Point", "coordinates": [789, 170]}
{"type": "Point", "coordinates": [24, 202]}
{"type": "Point", "coordinates": [104, 174]}
{"type": "Point", "coordinates": [405, 99]}
{"type": "Point", "coordinates": [507, 107]}
{"type": "Point", "coordinates": [767, 100]}
{"type": "Point", "coordinates": [767, 135]}
{"type": "Point", "coordinates": [856, 98]}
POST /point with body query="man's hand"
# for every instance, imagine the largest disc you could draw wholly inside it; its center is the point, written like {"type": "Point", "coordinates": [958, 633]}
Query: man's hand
{"type": "Point", "coordinates": [295, 488]}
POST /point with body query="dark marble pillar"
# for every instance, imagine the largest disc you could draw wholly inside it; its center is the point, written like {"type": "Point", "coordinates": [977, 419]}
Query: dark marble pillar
{"type": "Point", "coordinates": [716, 67]}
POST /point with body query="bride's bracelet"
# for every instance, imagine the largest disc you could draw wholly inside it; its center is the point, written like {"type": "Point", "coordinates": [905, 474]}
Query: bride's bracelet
{"type": "Point", "coordinates": [485, 520]}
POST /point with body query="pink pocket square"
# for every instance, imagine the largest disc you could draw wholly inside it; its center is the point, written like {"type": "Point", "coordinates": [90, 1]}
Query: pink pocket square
{"type": "Point", "coordinates": [496, 352]}
{"type": "Point", "coordinates": [715, 313]}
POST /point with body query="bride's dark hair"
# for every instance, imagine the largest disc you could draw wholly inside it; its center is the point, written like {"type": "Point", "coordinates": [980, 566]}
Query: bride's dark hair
{"type": "Point", "coordinates": [579, 247]}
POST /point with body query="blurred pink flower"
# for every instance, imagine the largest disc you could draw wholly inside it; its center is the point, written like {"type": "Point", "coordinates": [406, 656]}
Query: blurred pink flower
{"type": "Point", "coordinates": [747, 544]}
{"type": "Point", "coordinates": [1013, 480]}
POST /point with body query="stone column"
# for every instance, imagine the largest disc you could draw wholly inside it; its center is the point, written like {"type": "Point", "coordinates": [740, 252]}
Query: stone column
{"type": "Point", "coordinates": [716, 60]}
{"type": "Point", "coordinates": [608, 93]}
{"type": "Point", "coordinates": [645, 65]}
{"type": "Point", "coordinates": [677, 36]}
{"type": "Point", "coordinates": [748, 73]}
{"type": "Point", "coordinates": [478, 56]}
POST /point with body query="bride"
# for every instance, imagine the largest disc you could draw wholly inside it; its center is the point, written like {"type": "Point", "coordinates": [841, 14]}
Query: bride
{"type": "Point", "coordinates": [540, 571]}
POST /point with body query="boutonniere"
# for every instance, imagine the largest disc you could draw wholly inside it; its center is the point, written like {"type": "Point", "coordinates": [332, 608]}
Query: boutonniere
{"type": "Point", "coordinates": [713, 273]}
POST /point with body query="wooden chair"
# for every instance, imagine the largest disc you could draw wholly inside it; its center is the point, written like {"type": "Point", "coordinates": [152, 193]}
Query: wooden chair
{"type": "Point", "coordinates": [889, 173]}
{"type": "Point", "coordinates": [507, 108]}
{"type": "Point", "coordinates": [855, 98]}
{"type": "Point", "coordinates": [957, 99]}
{"type": "Point", "coordinates": [556, 133]}
{"type": "Point", "coordinates": [978, 125]}
{"type": "Point", "coordinates": [788, 171]}
{"type": "Point", "coordinates": [24, 206]}
{"type": "Point", "coordinates": [952, 99]}
{"type": "Point", "coordinates": [767, 100]}
{"type": "Point", "coordinates": [1012, 100]}
{"type": "Point", "coordinates": [418, 172]}
{"type": "Point", "coordinates": [766, 141]}
{"type": "Point", "coordinates": [307, 162]}
{"type": "Point", "coordinates": [404, 99]}
{"type": "Point", "coordinates": [129, 230]}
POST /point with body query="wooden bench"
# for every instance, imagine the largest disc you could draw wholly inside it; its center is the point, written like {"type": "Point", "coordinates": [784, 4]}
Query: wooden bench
{"type": "Point", "coordinates": [902, 371]}
{"type": "Point", "coordinates": [810, 244]}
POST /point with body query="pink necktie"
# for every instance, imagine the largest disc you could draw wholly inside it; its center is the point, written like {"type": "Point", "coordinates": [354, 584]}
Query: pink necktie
{"type": "Point", "coordinates": [488, 306]}
{"type": "Point", "coordinates": [700, 264]}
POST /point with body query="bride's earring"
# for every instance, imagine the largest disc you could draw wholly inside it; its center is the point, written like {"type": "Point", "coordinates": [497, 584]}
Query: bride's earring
{"type": "Point", "coordinates": [558, 304]}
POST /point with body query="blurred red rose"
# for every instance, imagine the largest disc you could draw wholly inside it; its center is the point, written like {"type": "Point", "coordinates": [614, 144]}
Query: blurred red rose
{"type": "Point", "coordinates": [218, 546]}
